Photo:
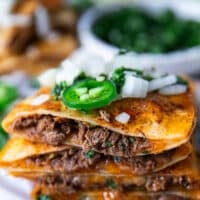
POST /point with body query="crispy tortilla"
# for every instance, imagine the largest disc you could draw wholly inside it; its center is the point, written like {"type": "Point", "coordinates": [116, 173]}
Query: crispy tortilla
{"type": "Point", "coordinates": [21, 155]}
{"type": "Point", "coordinates": [116, 195]}
{"type": "Point", "coordinates": [186, 172]}
{"type": "Point", "coordinates": [150, 183]}
{"type": "Point", "coordinates": [165, 121]}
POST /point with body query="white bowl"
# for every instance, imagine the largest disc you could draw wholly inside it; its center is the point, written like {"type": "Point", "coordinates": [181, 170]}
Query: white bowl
{"type": "Point", "coordinates": [181, 61]}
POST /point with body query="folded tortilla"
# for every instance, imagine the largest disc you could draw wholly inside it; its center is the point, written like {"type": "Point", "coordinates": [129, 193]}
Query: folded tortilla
{"type": "Point", "coordinates": [21, 155]}
{"type": "Point", "coordinates": [115, 195]}
{"type": "Point", "coordinates": [157, 123]}
{"type": "Point", "coordinates": [184, 175]}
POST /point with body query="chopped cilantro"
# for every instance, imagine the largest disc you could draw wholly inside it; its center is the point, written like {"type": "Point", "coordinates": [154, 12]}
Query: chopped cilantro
{"type": "Point", "coordinates": [146, 152]}
{"type": "Point", "coordinates": [108, 144]}
{"type": "Point", "coordinates": [123, 146]}
{"type": "Point", "coordinates": [44, 197]}
{"type": "Point", "coordinates": [111, 184]}
{"type": "Point", "coordinates": [147, 77]}
{"type": "Point", "coordinates": [58, 90]}
{"type": "Point", "coordinates": [90, 154]}
{"type": "Point", "coordinates": [131, 139]}
{"type": "Point", "coordinates": [140, 31]}
{"type": "Point", "coordinates": [84, 197]}
{"type": "Point", "coordinates": [118, 76]}
{"type": "Point", "coordinates": [81, 77]}
{"type": "Point", "coordinates": [180, 80]}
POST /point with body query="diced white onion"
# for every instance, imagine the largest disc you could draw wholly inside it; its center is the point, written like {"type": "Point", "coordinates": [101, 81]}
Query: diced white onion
{"type": "Point", "coordinates": [40, 100]}
{"type": "Point", "coordinates": [154, 73]}
{"type": "Point", "coordinates": [68, 72]}
{"type": "Point", "coordinates": [127, 60]}
{"type": "Point", "coordinates": [134, 87]}
{"type": "Point", "coordinates": [48, 77]}
{"type": "Point", "coordinates": [162, 82]}
{"type": "Point", "coordinates": [89, 63]}
{"type": "Point", "coordinates": [157, 74]}
{"type": "Point", "coordinates": [173, 89]}
{"type": "Point", "coordinates": [42, 21]}
{"type": "Point", "coordinates": [123, 118]}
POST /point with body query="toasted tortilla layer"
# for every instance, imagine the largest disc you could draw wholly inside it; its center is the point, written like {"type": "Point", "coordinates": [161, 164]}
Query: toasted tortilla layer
{"type": "Point", "coordinates": [18, 148]}
{"type": "Point", "coordinates": [165, 121]}
{"type": "Point", "coordinates": [116, 195]}
{"type": "Point", "coordinates": [183, 175]}
{"type": "Point", "coordinates": [21, 155]}
{"type": "Point", "coordinates": [149, 183]}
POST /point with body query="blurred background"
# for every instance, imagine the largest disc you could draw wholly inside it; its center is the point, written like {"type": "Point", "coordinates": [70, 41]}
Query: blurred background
{"type": "Point", "coordinates": [36, 35]}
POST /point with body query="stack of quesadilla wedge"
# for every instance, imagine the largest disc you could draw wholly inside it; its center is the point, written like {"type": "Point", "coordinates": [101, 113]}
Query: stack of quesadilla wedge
{"type": "Point", "coordinates": [71, 154]}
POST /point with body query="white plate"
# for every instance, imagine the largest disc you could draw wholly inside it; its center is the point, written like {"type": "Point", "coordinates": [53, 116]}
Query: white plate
{"type": "Point", "coordinates": [14, 188]}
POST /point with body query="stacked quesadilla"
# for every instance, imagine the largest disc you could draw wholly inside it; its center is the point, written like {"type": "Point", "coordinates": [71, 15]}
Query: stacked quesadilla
{"type": "Point", "coordinates": [88, 148]}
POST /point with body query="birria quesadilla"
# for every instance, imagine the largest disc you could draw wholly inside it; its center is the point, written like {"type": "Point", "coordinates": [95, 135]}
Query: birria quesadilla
{"type": "Point", "coordinates": [157, 123]}
{"type": "Point", "coordinates": [121, 135]}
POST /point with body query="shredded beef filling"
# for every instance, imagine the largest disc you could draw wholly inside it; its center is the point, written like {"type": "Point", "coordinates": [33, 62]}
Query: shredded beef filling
{"type": "Point", "coordinates": [56, 131]}
{"type": "Point", "coordinates": [75, 159]}
{"type": "Point", "coordinates": [160, 183]}
{"type": "Point", "coordinates": [69, 160]}
{"type": "Point", "coordinates": [72, 183]}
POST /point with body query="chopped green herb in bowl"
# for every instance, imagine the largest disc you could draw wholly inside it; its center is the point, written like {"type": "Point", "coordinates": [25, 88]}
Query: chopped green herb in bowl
{"type": "Point", "coordinates": [136, 30]}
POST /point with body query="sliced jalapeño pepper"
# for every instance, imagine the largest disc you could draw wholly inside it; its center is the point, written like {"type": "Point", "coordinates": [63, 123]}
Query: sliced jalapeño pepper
{"type": "Point", "coordinates": [89, 94]}
{"type": "Point", "coordinates": [7, 95]}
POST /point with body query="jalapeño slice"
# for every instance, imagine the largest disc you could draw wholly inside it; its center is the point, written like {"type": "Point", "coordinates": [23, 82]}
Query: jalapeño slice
{"type": "Point", "coordinates": [89, 94]}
